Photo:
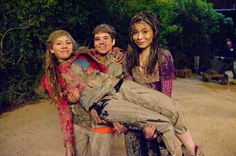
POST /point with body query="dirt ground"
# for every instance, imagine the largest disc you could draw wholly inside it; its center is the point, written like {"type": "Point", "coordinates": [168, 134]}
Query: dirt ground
{"type": "Point", "coordinates": [209, 109]}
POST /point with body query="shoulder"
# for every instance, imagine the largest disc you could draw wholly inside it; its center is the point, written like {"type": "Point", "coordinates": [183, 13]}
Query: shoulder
{"type": "Point", "coordinates": [165, 56]}
{"type": "Point", "coordinates": [83, 50]}
{"type": "Point", "coordinates": [44, 82]}
{"type": "Point", "coordinates": [164, 52]}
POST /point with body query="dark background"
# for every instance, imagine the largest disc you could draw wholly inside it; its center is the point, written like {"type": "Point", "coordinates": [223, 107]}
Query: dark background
{"type": "Point", "coordinates": [188, 28]}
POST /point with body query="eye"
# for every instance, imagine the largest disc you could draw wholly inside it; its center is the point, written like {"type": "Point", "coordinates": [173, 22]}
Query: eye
{"type": "Point", "coordinates": [69, 42]}
{"type": "Point", "coordinates": [96, 39]}
{"type": "Point", "coordinates": [134, 32]}
{"type": "Point", "coordinates": [58, 43]}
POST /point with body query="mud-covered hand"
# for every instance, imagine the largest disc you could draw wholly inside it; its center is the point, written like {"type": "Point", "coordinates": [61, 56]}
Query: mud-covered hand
{"type": "Point", "coordinates": [69, 150]}
{"type": "Point", "coordinates": [119, 54]}
{"type": "Point", "coordinates": [73, 96]}
{"type": "Point", "coordinates": [149, 132]}
{"type": "Point", "coordinates": [96, 118]}
{"type": "Point", "coordinates": [119, 128]}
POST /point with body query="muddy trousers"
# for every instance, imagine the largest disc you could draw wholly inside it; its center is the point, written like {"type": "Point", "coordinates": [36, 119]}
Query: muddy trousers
{"type": "Point", "coordinates": [138, 106]}
{"type": "Point", "coordinates": [89, 143]}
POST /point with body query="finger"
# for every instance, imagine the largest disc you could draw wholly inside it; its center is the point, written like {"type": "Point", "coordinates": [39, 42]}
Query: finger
{"type": "Point", "coordinates": [76, 96]}
{"type": "Point", "coordinates": [119, 127]}
{"type": "Point", "coordinates": [149, 126]}
{"type": "Point", "coordinates": [119, 58]}
{"type": "Point", "coordinates": [95, 120]}
{"type": "Point", "coordinates": [151, 133]}
{"type": "Point", "coordinates": [153, 126]}
{"type": "Point", "coordinates": [103, 121]}
{"type": "Point", "coordinates": [152, 129]}
{"type": "Point", "coordinates": [147, 129]}
{"type": "Point", "coordinates": [155, 136]}
{"type": "Point", "coordinates": [70, 98]}
{"type": "Point", "coordinates": [116, 130]}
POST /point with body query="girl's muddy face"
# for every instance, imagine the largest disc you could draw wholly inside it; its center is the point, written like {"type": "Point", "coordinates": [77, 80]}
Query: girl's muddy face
{"type": "Point", "coordinates": [142, 34]}
{"type": "Point", "coordinates": [62, 48]}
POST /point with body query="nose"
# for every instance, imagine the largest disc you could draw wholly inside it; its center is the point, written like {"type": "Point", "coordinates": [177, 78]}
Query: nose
{"type": "Point", "coordinates": [102, 41]}
{"type": "Point", "coordinates": [64, 45]}
{"type": "Point", "coordinates": [140, 35]}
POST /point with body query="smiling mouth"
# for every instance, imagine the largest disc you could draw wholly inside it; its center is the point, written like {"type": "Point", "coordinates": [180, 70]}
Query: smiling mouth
{"type": "Point", "coordinates": [140, 43]}
{"type": "Point", "coordinates": [65, 51]}
{"type": "Point", "coordinates": [102, 46]}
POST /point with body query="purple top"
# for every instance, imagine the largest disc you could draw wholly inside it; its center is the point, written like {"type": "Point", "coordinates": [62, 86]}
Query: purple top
{"type": "Point", "coordinates": [161, 79]}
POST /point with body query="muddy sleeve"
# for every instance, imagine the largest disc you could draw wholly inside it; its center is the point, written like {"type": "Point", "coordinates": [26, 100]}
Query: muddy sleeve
{"type": "Point", "coordinates": [65, 115]}
{"type": "Point", "coordinates": [66, 124]}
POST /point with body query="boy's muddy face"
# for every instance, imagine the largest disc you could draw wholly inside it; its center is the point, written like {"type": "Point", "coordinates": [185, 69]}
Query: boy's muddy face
{"type": "Point", "coordinates": [62, 48]}
{"type": "Point", "coordinates": [103, 42]}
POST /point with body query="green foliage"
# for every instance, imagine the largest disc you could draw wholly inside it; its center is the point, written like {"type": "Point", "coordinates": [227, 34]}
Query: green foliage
{"type": "Point", "coordinates": [198, 24]}
{"type": "Point", "coordinates": [188, 28]}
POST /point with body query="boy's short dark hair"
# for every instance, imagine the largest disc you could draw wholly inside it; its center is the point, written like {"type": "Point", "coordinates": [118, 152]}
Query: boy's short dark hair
{"type": "Point", "coordinates": [228, 40]}
{"type": "Point", "coordinates": [105, 28]}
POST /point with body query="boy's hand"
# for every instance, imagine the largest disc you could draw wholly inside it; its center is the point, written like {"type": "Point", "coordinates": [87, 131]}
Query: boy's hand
{"type": "Point", "coordinates": [96, 118]}
{"type": "Point", "coordinates": [149, 132]}
{"type": "Point", "coordinates": [119, 54]}
{"type": "Point", "coordinates": [73, 96]}
{"type": "Point", "coordinates": [119, 128]}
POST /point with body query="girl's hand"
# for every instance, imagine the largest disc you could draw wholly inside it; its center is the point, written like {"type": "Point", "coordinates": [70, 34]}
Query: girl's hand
{"type": "Point", "coordinates": [70, 150]}
{"type": "Point", "coordinates": [96, 118]}
{"type": "Point", "coordinates": [149, 132]}
{"type": "Point", "coordinates": [73, 96]}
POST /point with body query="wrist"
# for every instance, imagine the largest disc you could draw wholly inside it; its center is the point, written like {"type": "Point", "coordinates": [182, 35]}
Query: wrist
{"type": "Point", "coordinates": [69, 150]}
{"type": "Point", "coordinates": [69, 146]}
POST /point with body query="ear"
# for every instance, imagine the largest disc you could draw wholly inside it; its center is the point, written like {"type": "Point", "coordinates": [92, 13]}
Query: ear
{"type": "Point", "coordinates": [113, 42]}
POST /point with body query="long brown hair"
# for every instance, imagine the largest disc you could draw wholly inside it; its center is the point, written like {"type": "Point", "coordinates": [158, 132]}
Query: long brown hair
{"type": "Point", "coordinates": [51, 63]}
{"type": "Point", "coordinates": [132, 58]}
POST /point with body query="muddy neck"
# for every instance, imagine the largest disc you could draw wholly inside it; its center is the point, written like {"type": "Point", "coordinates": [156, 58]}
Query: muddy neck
{"type": "Point", "coordinates": [144, 57]}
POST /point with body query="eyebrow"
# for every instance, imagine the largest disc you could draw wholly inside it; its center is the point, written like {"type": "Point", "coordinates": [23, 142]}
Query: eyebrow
{"type": "Point", "coordinates": [101, 36]}
{"type": "Point", "coordinates": [62, 41]}
{"type": "Point", "coordinates": [144, 28]}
